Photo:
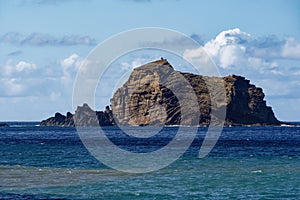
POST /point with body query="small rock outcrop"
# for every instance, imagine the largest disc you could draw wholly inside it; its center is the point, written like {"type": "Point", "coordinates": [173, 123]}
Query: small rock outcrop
{"type": "Point", "coordinates": [84, 116]}
{"type": "Point", "coordinates": [4, 125]}
{"type": "Point", "coordinates": [59, 120]}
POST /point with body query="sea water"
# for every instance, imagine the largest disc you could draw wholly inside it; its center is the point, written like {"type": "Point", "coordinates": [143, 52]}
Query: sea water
{"type": "Point", "coordinates": [246, 163]}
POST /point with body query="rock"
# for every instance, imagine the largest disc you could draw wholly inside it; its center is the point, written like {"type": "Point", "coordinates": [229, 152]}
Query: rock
{"type": "Point", "coordinates": [69, 121]}
{"type": "Point", "coordinates": [109, 115]}
{"type": "Point", "coordinates": [153, 95]}
{"type": "Point", "coordinates": [57, 120]}
{"type": "Point", "coordinates": [4, 125]}
{"type": "Point", "coordinates": [84, 116]}
{"type": "Point", "coordinates": [246, 104]}
{"type": "Point", "coordinates": [146, 98]}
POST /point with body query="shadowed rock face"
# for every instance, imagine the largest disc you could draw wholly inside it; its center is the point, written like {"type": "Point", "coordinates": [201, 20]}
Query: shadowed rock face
{"type": "Point", "coordinates": [59, 120]}
{"type": "Point", "coordinates": [84, 116]}
{"type": "Point", "coordinates": [156, 94]}
{"type": "Point", "coordinates": [147, 98]}
{"type": "Point", "coordinates": [246, 104]}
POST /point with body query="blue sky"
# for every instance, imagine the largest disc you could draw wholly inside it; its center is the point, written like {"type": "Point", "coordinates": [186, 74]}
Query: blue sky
{"type": "Point", "coordinates": [42, 44]}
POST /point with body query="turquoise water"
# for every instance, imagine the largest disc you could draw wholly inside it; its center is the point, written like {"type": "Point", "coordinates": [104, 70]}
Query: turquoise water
{"type": "Point", "coordinates": [247, 163]}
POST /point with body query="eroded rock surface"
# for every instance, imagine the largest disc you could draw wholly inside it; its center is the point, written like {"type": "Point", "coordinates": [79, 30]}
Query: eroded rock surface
{"type": "Point", "coordinates": [147, 98]}
{"type": "Point", "coordinates": [156, 94]}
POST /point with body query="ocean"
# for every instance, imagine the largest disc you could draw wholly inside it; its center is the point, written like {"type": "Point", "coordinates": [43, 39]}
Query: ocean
{"type": "Point", "coordinates": [246, 163]}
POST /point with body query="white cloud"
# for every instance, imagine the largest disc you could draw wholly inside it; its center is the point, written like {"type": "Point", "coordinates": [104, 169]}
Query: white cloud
{"type": "Point", "coordinates": [9, 69]}
{"type": "Point", "coordinates": [200, 59]}
{"type": "Point", "coordinates": [11, 87]}
{"type": "Point", "coordinates": [233, 37]}
{"type": "Point", "coordinates": [231, 55]}
{"type": "Point", "coordinates": [14, 88]}
{"type": "Point", "coordinates": [70, 66]}
{"type": "Point", "coordinates": [228, 48]}
{"type": "Point", "coordinates": [22, 65]}
{"type": "Point", "coordinates": [297, 73]}
{"type": "Point", "coordinates": [272, 87]}
{"type": "Point", "coordinates": [291, 49]}
{"type": "Point", "coordinates": [22, 78]}
{"type": "Point", "coordinates": [232, 49]}
{"type": "Point", "coordinates": [136, 62]}
{"type": "Point", "coordinates": [70, 61]}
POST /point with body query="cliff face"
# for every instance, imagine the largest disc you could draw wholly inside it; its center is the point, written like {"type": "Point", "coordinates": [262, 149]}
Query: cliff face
{"type": "Point", "coordinates": [246, 104]}
{"type": "Point", "coordinates": [156, 94]}
{"type": "Point", "coordinates": [146, 98]}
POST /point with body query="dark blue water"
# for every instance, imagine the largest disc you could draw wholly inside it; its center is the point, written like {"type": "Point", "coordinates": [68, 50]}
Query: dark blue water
{"type": "Point", "coordinates": [246, 163]}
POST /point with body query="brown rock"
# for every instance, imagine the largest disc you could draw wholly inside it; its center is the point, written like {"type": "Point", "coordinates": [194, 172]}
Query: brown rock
{"type": "Point", "coordinates": [147, 98]}
{"type": "Point", "coordinates": [156, 94]}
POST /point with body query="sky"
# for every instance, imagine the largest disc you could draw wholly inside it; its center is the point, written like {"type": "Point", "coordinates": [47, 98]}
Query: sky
{"type": "Point", "coordinates": [43, 43]}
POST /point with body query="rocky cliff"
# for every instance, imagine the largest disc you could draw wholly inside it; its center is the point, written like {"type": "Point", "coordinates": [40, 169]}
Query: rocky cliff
{"type": "Point", "coordinates": [146, 98]}
{"type": "Point", "coordinates": [156, 94]}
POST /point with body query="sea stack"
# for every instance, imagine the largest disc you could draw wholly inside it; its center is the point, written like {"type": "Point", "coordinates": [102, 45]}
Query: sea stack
{"type": "Point", "coordinates": [153, 95]}
{"type": "Point", "coordinates": [146, 92]}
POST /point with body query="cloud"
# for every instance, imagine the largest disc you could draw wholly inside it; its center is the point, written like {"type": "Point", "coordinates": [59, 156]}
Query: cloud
{"type": "Point", "coordinates": [15, 53]}
{"type": "Point", "coordinates": [133, 64]}
{"type": "Point", "coordinates": [228, 47]}
{"type": "Point", "coordinates": [38, 39]}
{"type": "Point", "coordinates": [269, 62]}
{"type": "Point", "coordinates": [9, 69]}
{"type": "Point", "coordinates": [77, 40]}
{"type": "Point", "coordinates": [71, 60]}
{"type": "Point", "coordinates": [13, 87]}
{"type": "Point", "coordinates": [268, 47]}
{"type": "Point", "coordinates": [22, 66]}
{"type": "Point", "coordinates": [70, 66]}
{"type": "Point", "coordinates": [30, 86]}
{"type": "Point", "coordinates": [22, 78]}
{"type": "Point", "coordinates": [234, 48]}
{"type": "Point", "coordinates": [41, 39]}
{"type": "Point", "coordinates": [231, 55]}
{"type": "Point", "coordinates": [199, 57]}
{"type": "Point", "coordinates": [291, 48]}
{"type": "Point", "coordinates": [11, 37]}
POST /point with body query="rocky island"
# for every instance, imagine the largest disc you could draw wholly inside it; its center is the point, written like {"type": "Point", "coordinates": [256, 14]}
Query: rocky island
{"type": "Point", "coordinates": [146, 98]}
